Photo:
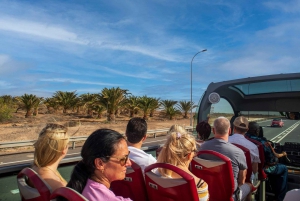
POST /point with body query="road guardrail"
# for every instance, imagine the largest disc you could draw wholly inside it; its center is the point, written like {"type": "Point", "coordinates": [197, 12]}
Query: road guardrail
{"type": "Point", "coordinates": [73, 140]}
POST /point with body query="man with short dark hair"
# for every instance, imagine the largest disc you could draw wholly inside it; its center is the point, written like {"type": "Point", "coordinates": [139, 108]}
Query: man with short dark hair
{"type": "Point", "coordinates": [272, 167]}
{"type": "Point", "coordinates": [240, 127]}
{"type": "Point", "coordinates": [221, 130]}
{"type": "Point", "coordinates": [136, 134]}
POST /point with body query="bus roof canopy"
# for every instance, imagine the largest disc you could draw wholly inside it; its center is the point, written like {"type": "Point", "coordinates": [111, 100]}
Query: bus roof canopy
{"type": "Point", "coordinates": [263, 93]}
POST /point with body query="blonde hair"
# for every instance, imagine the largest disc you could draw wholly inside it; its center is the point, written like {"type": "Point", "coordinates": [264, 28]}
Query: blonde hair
{"type": "Point", "coordinates": [53, 139]}
{"type": "Point", "coordinates": [177, 128]}
{"type": "Point", "coordinates": [175, 150]}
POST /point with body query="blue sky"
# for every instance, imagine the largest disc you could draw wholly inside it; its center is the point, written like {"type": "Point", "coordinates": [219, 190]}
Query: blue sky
{"type": "Point", "coordinates": [143, 46]}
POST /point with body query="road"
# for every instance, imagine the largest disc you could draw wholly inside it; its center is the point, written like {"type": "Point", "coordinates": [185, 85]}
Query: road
{"type": "Point", "coordinates": [289, 133]}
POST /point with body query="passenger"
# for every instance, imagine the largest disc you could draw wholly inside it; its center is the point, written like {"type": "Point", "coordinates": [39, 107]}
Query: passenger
{"type": "Point", "coordinates": [136, 133]}
{"type": "Point", "coordinates": [203, 130]}
{"type": "Point", "coordinates": [221, 130]}
{"type": "Point", "coordinates": [50, 148]}
{"type": "Point", "coordinates": [240, 127]}
{"type": "Point", "coordinates": [104, 160]}
{"type": "Point", "coordinates": [179, 150]}
{"type": "Point", "coordinates": [272, 168]}
{"type": "Point", "coordinates": [177, 128]}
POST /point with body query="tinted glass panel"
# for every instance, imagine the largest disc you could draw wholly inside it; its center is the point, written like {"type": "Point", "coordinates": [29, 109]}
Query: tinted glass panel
{"type": "Point", "coordinates": [269, 87]}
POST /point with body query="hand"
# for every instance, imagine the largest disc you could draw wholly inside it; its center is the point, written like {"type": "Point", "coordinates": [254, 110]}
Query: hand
{"type": "Point", "coordinates": [284, 153]}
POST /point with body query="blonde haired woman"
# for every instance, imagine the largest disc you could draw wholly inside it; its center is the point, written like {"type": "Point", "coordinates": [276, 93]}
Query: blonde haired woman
{"type": "Point", "coordinates": [179, 150]}
{"type": "Point", "coordinates": [50, 148]}
{"type": "Point", "coordinates": [177, 128]}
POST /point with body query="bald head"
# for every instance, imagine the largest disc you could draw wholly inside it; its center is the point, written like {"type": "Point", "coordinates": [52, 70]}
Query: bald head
{"type": "Point", "coordinates": [221, 126]}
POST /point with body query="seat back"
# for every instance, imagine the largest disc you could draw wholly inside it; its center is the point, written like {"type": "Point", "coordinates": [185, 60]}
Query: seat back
{"type": "Point", "coordinates": [133, 186]}
{"type": "Point", "coordinates": [217, 172]}
{"type": "Point", "coordinates": [261, 173]}
{"type": "Point", "coordinates": [248, 161]}
{"type": "Point", "coordinates": [39, 192]}
{"type": "Point", "coordinates": [169, 189]}
{"type": "Point", "coordinates": [67, 193]}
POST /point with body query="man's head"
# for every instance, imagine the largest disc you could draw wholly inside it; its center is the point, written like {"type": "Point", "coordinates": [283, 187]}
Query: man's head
{"type": "Point", "coordinates": [221, 127]}
{"type": "Point", "coordinates": [254, 128]}
{"type": "Point", "coordinates": [241, 125]}
{"type": "Point", "coordinates": [136, 130]}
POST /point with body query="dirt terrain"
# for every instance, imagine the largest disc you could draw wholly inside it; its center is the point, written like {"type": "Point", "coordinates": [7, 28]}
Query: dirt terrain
{"type": "Point", "coordinates": [20, 128]}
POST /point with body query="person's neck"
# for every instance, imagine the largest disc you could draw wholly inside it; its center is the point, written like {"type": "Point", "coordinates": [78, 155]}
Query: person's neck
{"type": "Point", "coordinates": [136, 145]}
{"type": "Point", "coordinates": [102, 180]}
{"type": "Point", "coordinates": [222, 137]}
{"type": "Point", "coordinates": [54, 166]}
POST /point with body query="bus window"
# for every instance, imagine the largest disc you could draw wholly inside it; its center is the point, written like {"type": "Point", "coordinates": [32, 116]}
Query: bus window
{"type": "Point", "coordinates": [222, 108]}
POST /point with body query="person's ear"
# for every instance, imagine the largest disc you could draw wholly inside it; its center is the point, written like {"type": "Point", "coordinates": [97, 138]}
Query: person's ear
{"type": "Point", "coordinates": [214, 132]}
{"type": "Point", "coordinates": [99, 164]}
{"type": "Point", "coordinates": [189, 156]}
{"type": "Point", "coordinates": [229, 131]}
{"type": "Point", "coordinates": [64, 152]}
{"type": "Point", "coordinates": [144, 138]}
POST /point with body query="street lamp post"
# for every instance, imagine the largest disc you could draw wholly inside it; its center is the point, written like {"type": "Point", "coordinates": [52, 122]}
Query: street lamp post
{"type": "Point", "coordinates": [192, 85]}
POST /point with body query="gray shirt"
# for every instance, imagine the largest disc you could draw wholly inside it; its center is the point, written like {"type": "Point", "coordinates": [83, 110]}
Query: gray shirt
{"type": "Point", "coordinates": [236, 155]}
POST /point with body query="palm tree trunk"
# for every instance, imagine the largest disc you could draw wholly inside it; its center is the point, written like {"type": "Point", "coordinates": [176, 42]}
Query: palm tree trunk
{"type": "Point", "coordinates": [131, 113]}
{"type": "Point", "coordinates": [35, 112]}
{"type": "Point", "coordinates": [28, 113]}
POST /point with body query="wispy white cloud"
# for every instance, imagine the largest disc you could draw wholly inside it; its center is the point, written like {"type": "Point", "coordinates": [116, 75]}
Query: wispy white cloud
{"type": "Point", "coordinates": [38, 29]}
{"type": "Point", "coordinates": [74, 81]}
{"type": "Point", "coordinates": [143, 75]}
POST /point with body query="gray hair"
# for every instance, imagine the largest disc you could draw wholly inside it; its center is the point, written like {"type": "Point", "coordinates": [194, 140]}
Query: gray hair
{"type": "Point", "coordinates": [221, 125]}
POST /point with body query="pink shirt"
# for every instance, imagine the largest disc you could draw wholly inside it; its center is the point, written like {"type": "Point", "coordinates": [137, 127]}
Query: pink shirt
{"type": "Point", "coordinates": [95, 191]}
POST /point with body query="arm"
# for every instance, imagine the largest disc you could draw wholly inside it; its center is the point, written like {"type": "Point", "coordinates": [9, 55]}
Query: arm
{"type": "Point", "coordinates": [276, 154]}
{"type": "Point", "coordinates": [242, 177]}
{"type": "Point", "coordinates": [254, 167]}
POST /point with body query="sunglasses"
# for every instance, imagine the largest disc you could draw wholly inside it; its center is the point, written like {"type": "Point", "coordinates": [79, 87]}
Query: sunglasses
{"type": "Point", "coordinates": [122, 160]}
{"type": "Point", "coordinates": [195, 152]}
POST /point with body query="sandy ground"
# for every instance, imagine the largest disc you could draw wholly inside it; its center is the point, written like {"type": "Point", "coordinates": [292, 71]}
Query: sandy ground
{"type": "Point", "coordinates": [20, 128]}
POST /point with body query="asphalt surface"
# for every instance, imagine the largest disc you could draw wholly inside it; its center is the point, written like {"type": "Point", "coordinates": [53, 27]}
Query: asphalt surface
{"type": "Point", "coordinates": [290, 132]}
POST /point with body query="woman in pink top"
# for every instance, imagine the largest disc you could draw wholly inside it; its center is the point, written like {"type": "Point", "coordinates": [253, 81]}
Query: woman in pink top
{"type": "Point", "coordinates": [104, 160]}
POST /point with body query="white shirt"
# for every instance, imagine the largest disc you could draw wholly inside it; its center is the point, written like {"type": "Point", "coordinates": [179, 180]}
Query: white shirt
{"type": "Point", "coordinates": [292, 195]}
{"type": "Point", "coordinates": [140, 157]}
{"type": "Point", "coordinates": [241, 140]}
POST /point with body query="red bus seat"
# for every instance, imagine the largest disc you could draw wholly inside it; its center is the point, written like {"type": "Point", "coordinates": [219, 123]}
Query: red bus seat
{"type": "Point", "coordinates": [68, 193]}
{"type": "Point", "coordinates": [217, 173]}
{"type": "Point", "coordinates": [41, 190]}
{"type": "Point", "coordinates": [248, 160]}
{"type": "Point", "coordinates": [170, 189]}
{"type": "Point", "coordinates": [133, 186]}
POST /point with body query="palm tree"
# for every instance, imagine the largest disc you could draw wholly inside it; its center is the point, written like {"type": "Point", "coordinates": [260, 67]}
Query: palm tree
{"type": "Point", "coordinates": [88, 101]}
{"type": "Point", "coordinates": [172, 112]}
{"type": "Point", "coordinates": [28, 102]}
{"type": "Point", "coordinates": [51, 103]}
{"type": "Point", "coordinates": [145, 104]}
{"type": "Point", "coordinates": [169, 109]}
{"type": "Point", "coordinates": [66, 99]}
{"type": "Point", "coordinates": [112, 99]}
{"type": "Point", "coordinates": [185, 107]}
{"type": "Point", "coordinates": [36, 105]}
{"type": "Point", "coordinates": [132, 105]}
{"type": "Point", "coordinates": [154, 106]}
{"type": "Point", "coordinates": [99, 109]}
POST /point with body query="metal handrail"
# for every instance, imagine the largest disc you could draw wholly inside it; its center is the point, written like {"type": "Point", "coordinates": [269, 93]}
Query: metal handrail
{"type": "Point", "coordinates": [73, 140]}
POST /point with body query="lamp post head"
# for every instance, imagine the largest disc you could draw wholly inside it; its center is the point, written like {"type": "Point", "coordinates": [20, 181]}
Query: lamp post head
{"type": "Point", "coordinates": [204, 50]}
